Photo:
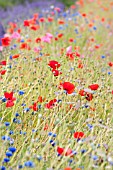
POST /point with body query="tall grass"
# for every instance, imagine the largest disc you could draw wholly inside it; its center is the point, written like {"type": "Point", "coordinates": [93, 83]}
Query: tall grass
{"type": "Point", "coordinates": [71, 113]}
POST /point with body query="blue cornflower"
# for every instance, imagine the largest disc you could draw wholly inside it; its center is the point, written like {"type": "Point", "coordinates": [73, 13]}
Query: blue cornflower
{"type": "Point", "coordinates": [6, 160]}
{"type": "Point", "coordinates": [29, 164]}
{"type": "Point", "coordinates": [12, 149]}
{"type": "Point", "coordinates": [9, 154]}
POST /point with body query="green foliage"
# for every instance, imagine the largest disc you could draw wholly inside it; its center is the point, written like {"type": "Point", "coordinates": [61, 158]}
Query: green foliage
{"type": "Point", "coordinates": [68, 2]}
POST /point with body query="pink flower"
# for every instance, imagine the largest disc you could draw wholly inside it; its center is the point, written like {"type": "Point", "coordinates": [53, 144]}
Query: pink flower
{"type": "Point", "coordinates": [49, 35]}
{"type": "Point", "coordinates": [1, 48]}
{"type": "Point", "coordinates": [46, 39]}
{"type": "Point", "coordinates": [69, 50]}
{"type": "Point", "coordinates": [36, 50]}
{"type": "Point", "coordinates": [15, 35]}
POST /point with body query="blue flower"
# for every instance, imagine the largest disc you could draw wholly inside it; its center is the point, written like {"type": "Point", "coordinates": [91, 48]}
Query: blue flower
{"type": "Point", "coordinates": [4, 100]}
{"type": "Point", "coordinates": [20, 166]}
{"type": "Point", "coordinates": [5, 138]}
{"type": "Point", "coordinates": [17, 114]}
{"type": "Point", "coordinates": [54, 135]}
{"type": "Point", "coordinates": [29, 164]}
{"type": "Point", "coordinates": [95, 157]}
{"type": "Point", "coordinates": [9, 154]}
{"type": "Point", "coordinates": [21, 92]}
{"type": "Point", "coordinates": [12, 149]}
{"type": "Point", "coordinates": [7, 123]}
{"type": "Point", "coordinates": [50, 133]}
{"type": "Point", "coordinates": [2, 168]}
{"type": "Point", "coordinates": [11, 132]}
{"type": "Point", "coordinates": [6, 160]}
{"type": "Point", "coordinates": [103, 56]}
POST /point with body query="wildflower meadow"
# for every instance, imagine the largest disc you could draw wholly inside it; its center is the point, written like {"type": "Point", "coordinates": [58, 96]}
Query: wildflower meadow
{"type": "Point", "coordinates": [56, 89]}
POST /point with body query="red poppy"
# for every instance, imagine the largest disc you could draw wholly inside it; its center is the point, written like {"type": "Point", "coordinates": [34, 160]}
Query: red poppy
{"type": "Point", "coordinates": [89, 96]}
{"type": "Point", "coordinates": [61, 22]}
{"type": "Point", "coordinates": [9, 103]}
{"type": "Point", "coordinates": [78, 135]}
{"type": "Point", "coordinates": [94, 86]}
{"type": "Point", "coordinates": [71, 40]}
{"type": "Point", "coordinates": [24, 46]}
{"type": "Point", "coordinates": [56, 72]}
{"type": "Point", "coordinates": [2, 72]}
{"type": "Point", "coordinates": [67, 168]}
{"type": "Point", "coordinates": [50, 19]}
{"type": "Point", "coordinates": [51, 104]}
{"type": "Point", "coordinates": [40, 99]}
{"type": "Point", "coordinates": [69, 87]}
{"type": "Point", "coordinates": [54, 64]}
{"type": "Point", "coordinates": [35, 15]}
{"type": "Point", "coordinates": [56, 39]}
{"type": "Point", "coordinates": [80, 65]}
{"type": "Point", "coordinates": [38, 40]}
{"type": "Point", "coordinates": [34, 27]}
{"type": "Point", "coordinates": [84, 15]}
{"type": "Point", "coordinates": [60, 35]}
{"type": "Point", "coordinates": [26, 23]}
{"type": "Point", "coordinates": [110, 64]}
{"type": "Point", "coordinates": [3, 63]}
{"type": "Point", "coordinates": [77, 54]}
{"type": "Point", "coordinates": [82, 92]}
{"type": "Point", "coordinates": [6, 41]}
{"type": "Point", "coordinates": [15, 56]}
{"type": "Point", "coordinates": [42, 19]}
{"type": "Point", "coordinates": [60, 150]}
{"type": "Point", "coordinates": [19, 30]}
{"type": "Point", "coordinates": [9, 96]}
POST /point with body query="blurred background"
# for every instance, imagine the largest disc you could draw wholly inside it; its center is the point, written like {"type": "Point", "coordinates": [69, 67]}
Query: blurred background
{"type": "Point", "coordinates": [9, 3]}
{"type": "Point", "coordinates": [17, 10]}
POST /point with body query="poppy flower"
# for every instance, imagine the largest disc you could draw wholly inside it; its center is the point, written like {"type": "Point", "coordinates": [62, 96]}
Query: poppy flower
{"type": "Point", "coordinates": [82, 92]}
{"type": "Point", "coordinates": [110, 64]}
{"type": "Point", "coordinates": [3, 63]}
{"type": "Point", "coordinates": [6, 41]}
{"type": "Point", "coordinates": [9, 96]}
{"type": "Point", "coordinates": [34, 27]}
{"type": "Point", "coordinates": [60, 35]}
{"type": "Point", "coordinates": [38, 40]}
{"type": "Point", "coordinates": [94, 86]}
{"type": "Point", "coordinates": [69, 87]}
{"type": "Point", "coordinates": [9, 103]}
{"type": "Point", "coordinates": [89, 96]}
{"type": "Point", "coordinates": [78, 135]}
{"type": "Point", "coordinates": [40, 99]}
{"type": "Point", "coordinates": [70, 56]}
{"type": "Point", "coordinates": [71, 40]}
{"type": "Point", "coordinates": [51, 104]}
{"type": "Point", "coordinates": [54, 64]}
{"type": "Point", "coordinates": [42, 19]}
{"type": "Point", "coordinates": [80, 65]}
{"type": "Point", "coordinates": [60, 150]}
{"type": "Point", "coordinates": [61, 22]}
{"type": "Point", "coordinates": [26, 23]}
{"type": "Point", "coordinates": [50, 19]}
{"type": "Point", "coordinates": [15, 56]}
{"type": "Point", "coordinates": [67, 168]}
{"type": "Point", "coordinates": [2, 72]}
{"type": "Point", "coordinates": [35, 108]}
{"type": "Point", "coordinates": [56, 72]}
